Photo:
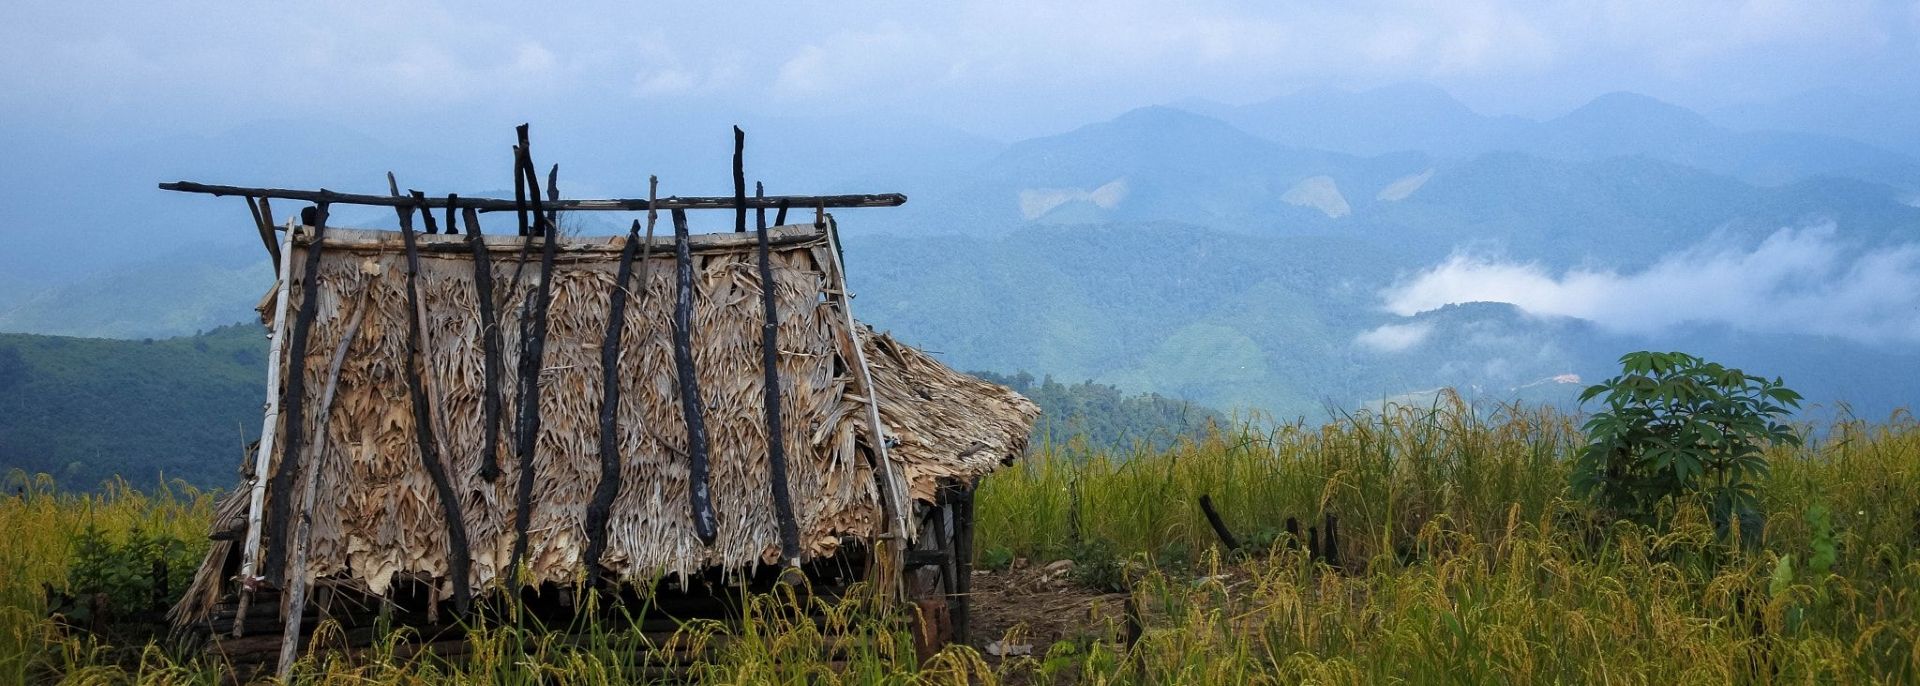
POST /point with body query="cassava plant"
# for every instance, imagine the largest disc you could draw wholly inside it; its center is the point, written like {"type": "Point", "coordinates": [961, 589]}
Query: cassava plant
{"type": "Point", "coordinates": [1674, 425]}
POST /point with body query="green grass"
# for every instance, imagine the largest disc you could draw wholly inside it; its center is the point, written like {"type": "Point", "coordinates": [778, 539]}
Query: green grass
{"type": "Point", "coordinates": [1466, 562]}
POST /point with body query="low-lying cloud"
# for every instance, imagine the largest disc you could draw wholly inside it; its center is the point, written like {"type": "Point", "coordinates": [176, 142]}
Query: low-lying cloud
{"type": "Point", "coordinates": [1804, 281]}
{"type": "Point", "coordinates": [1393, 338]}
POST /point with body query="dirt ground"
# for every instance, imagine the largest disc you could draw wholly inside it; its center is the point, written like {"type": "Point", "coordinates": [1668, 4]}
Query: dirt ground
{"type": "Point", "coordinates": [1038, 605]}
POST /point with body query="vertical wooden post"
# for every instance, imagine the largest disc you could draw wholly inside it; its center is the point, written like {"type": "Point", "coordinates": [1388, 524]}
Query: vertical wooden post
{"type": "Point", "coordinates": [963, 565]}
{"type": "Point", "coordinates": [692, 408]}
{"type": "Point", "coordinates": [269, 427]}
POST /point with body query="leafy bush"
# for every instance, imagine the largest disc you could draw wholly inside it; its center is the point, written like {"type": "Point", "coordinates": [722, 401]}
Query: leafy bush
{"type": "Point", "coordinates": [127, 573]}
{"type": "Point", "coordinates": [1676, 425]}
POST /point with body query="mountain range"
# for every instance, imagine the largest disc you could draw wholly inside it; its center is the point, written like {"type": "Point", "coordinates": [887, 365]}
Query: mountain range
{"type": "Point", "coordinates": [1246, 257]}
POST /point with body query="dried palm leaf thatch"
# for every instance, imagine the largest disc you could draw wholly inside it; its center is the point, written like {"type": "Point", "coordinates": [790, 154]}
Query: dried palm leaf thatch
{"type": "Point", "coordinates": [377, 518]}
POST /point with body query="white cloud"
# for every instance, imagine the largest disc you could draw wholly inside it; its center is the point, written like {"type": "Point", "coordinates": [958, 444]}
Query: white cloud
{"type": "Point", "coordinates": [1393, 338]}
{"type": "Point", "coordinates": [1804, 281]}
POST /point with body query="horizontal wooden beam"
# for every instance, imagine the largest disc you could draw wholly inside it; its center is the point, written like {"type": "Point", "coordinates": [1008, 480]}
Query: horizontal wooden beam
{"type": "Point", "coordinates": [442, 244]}
{"type": "Point", "coordinates": [499, 205]}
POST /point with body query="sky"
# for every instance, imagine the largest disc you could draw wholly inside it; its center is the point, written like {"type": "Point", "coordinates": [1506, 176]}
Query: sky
{"type": "Point", "coordinates": [1001, 69]}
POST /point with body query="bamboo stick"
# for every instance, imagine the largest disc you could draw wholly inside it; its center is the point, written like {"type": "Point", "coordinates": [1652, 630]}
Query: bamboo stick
{"type": "Point", "coordinates": [691, 406]}
{"type": "Point", "coordinates": [281, 505]}
{"type": "Point", "coordinates": [302, 535]}
{"type": "Point", "coordinates": [566, 205]}
{"type": "Point", "coordinates": [262, 460]}
{"type": "Point", "coordinates": [893, 498]}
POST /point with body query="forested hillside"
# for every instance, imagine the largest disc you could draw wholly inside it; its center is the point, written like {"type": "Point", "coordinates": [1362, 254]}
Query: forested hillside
{"type": "Point", "coordinates": [86, 409]}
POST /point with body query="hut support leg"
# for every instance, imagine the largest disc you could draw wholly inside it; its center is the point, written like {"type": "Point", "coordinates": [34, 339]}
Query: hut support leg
{"type": "Point", "coordinates": [961, 506]}
{"type": "Point", "coordinates": [262, 460]}
{"type": "Point", "coordinates": [303, 532]}
{"type": "Point", "coordinates": [691, 406]}
{"type": "Point", "coordinates": [296, 396]}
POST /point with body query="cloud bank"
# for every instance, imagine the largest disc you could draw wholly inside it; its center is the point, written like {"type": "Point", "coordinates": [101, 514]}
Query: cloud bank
{"type": "Point", "coordinates": [1800, 281]}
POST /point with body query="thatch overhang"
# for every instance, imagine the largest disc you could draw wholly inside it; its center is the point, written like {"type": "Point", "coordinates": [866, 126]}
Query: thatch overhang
{"type": "Point", "coordinates": [376, 516]}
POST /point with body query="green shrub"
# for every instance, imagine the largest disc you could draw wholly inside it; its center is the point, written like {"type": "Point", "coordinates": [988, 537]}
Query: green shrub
{"type": "Point", "coordinates": [1675, 425]}
{"type": "Point", "coordinates": [127, 572]}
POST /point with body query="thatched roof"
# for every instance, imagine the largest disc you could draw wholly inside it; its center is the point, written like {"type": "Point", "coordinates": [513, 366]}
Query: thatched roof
{"type": "Point", "coordinates": [377, 514]}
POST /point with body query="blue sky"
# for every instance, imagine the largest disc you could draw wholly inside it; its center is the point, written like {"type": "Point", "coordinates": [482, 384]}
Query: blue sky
{"type": "Point", "coordinates": [1004, 69]}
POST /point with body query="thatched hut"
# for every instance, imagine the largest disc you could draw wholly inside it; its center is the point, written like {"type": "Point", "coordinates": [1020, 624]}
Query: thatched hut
{"type": "Point", "coordinates": [406, 395]}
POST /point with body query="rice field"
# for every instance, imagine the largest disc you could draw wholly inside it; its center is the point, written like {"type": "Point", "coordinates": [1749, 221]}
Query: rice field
{"type": "Point", "coordinates": [1463, 560]}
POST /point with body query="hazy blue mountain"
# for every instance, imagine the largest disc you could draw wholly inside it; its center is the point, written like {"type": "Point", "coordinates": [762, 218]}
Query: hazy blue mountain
{"type": "Point", "coordinates": [1888, 120]}
{"type": "Point", "coordinates": [1629, 124]}
{"type": "Point", "coordinates": [1426, 119]}
{"type": "Point", "coordinates": [1393, 118]}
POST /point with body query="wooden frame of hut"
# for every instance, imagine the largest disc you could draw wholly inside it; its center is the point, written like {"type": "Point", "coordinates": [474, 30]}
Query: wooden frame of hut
{"type": "Point", "coordinates": [466, 414]}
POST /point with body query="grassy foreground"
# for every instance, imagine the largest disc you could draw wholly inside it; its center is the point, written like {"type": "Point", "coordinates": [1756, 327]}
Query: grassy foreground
{"type": "Point", "coordinates": [1465, 561]}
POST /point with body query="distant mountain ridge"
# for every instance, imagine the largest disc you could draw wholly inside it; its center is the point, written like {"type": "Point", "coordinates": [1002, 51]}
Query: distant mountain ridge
{"type": "Point", "coordinates": [1426, 119]}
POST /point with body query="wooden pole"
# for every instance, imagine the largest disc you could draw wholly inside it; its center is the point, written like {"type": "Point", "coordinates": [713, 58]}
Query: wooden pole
{"type": "Point", "coordinates": [739, 181]}
{"type": "Point", "coordinates": [553, 196]}
{"type": "Point", "coordinates": [600, 507]}
{"type": "Point", "coordinates": [459, 555]}
{"type": "Point", "coordinates": [269, 427]}
{"type": "Point", "coordinates": [281, 506]}
{"type": "Point", "coordinates": [265, 226]}
{"type": "Point", "coordinates": [770, 363]}
{"type": "Point", "coordinates": [453, 226]}
{"type": "Point", "coordinates": [405, 212]}
{"type": "Point", "coordinates": [892, 492]}
{"type": "Point", "coordinates": [844, 201]}
{"type": "Point", "coordinates": [531, 360]}
{"type": "Point", "coordinates": [426, 216]}
{"type": "Point", "coordinates": [1219, 525]}
{"type": "Point", "coordinates": [692, 409]}
{"type": "Point", "coordinates": [303, 533]}
{"type": "Point", "coordinates": [597, 535]}
{"type": "Point", "coordinates": [489, 346]}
